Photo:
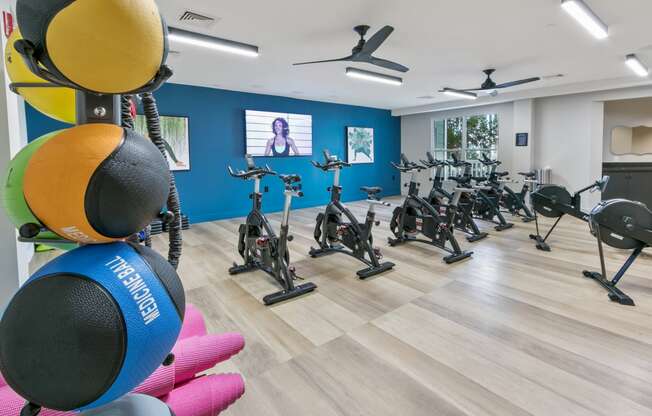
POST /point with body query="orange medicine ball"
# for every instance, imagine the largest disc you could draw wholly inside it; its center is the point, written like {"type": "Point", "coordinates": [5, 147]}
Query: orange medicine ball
{"type": "Point", "coordinates": [96, 183]}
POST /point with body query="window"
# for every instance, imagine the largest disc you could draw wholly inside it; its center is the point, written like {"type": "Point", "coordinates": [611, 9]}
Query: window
{"type": "Point", "coordinates": [469, 137]}
{"type": "Point", "coordinates": [481, 136]}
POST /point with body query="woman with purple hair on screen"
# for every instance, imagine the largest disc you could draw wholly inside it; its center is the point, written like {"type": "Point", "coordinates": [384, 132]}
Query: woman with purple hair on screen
{"type": "Point", "coordinates": [281, 144]}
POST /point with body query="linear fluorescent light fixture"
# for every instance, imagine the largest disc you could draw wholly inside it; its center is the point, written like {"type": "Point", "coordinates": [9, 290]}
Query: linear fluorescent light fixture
{"type": "Point", "coordinates": [636, 65]}
{"type": "Point", "coordinates": [212, 42]}
{"type": "Point", "coordinates": [373, 76]}
{"type": "Point", "coordinates": [460, 94]}
{"type": "Point", "coordinates": [586, 17]}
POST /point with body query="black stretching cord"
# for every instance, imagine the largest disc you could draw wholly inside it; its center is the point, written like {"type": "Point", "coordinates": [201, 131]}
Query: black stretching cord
{"type": "Point", "coordinates": [154, 129]}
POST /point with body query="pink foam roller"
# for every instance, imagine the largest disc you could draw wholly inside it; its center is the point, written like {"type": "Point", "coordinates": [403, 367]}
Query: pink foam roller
{"type": "Point", "coordinates": [205, 396]}
{"type": "Point", "coordinates": [204, 353]}
{"type": "Point", "coordinates": [194, 324]}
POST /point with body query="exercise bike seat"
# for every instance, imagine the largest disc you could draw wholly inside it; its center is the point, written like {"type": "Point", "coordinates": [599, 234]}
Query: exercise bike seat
{"type": "Point", "coordinates": [502, 174]}
{"type": "Point", "coordinates": [529, 175]}
{"type": "Point", "coordinates": [290, 178]}
{"type": "Point", "coordinates": [371, 190]}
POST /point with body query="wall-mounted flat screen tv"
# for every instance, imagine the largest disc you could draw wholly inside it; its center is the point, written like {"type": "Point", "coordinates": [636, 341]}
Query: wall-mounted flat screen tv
{"type": "Point", "coordinates": [278, 134]}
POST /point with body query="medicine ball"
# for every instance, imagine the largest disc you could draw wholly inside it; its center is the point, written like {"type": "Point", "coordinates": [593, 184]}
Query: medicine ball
{"type": "Point", "coordinates": [105, 46]}
{"type": "Point", "coordinates": [90, 326]}
{"type": "Point", "coordinates": [96, 183]}
{"type": "Point", "coordinates": [11, 191]}
{"type": "Point", "coordinates": [55, 102]}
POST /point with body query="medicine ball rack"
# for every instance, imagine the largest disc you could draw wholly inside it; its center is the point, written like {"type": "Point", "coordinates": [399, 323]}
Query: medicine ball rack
{"type": "Point", "coordinates": [93, 107]}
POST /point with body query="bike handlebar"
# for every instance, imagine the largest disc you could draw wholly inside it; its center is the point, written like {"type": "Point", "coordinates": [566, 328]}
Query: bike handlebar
{"type": "Point", "coordinates": [407, 166]}
{"type": "Point", "coordinates": [255, 172]}
{"type": "Point", "coordinates": [331, 162]}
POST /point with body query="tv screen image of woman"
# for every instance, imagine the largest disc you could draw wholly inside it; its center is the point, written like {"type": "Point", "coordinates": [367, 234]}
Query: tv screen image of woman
{"type": "Point", "coordinates": [278, 134]}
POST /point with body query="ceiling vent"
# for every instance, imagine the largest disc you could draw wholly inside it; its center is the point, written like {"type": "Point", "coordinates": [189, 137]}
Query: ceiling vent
{"type": "Point", "coordinates": [195, 19]}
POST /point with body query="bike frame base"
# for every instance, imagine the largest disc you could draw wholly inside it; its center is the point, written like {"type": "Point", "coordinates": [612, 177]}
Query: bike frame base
{"type": "Point", "coordinates": [452, 258]}
{"type": "Point", "coordinates": [373, 271]}
{"type": "Point", "coordinates": [244, 268]}
{"type": "Point", "coordinates": [279, 296]}
{"type": "Point", "coordinates": [615, 294]}
{"type": "Point", "coordinates": [503, 227]}
{"type": "Point", "coordinates": [284, 295]}
{"type": "Point", "coordinates": [472, 238]}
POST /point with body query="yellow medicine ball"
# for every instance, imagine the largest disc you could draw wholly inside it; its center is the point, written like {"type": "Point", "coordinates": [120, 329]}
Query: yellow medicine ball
{"type": "Point", "coordinates": [58, 103]}
{"type": "Point", "coordinates": [104, 46]}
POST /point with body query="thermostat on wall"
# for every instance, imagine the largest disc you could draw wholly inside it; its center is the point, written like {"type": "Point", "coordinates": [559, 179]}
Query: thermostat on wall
{"type": "Point", "coordinates": [522, 139]}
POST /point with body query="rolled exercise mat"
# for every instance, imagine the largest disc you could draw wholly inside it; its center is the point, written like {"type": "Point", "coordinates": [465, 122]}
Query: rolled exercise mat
{"type": "Point", "coordinates": [205, 396]}
{"type": "Point", "coordinates": [11, 404]}
{"type": "Point", "coordinates": [194, 324]}
{"type": "Point", "coordinates": [191, 356]}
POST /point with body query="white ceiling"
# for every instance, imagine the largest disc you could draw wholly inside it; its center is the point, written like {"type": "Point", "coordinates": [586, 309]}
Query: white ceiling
{"type": "Point", "coordinates": [444, 42]}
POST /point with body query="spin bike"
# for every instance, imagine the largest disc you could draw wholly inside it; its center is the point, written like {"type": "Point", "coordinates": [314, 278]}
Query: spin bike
{"type": "Point", "coordinates": [259, 246]}
{"type": "Point", "coordinates": [625, 225]}
{"type": "Point", "coordinates": [484, 201]}
{"type": "Point", "coordinates": [417, 215]}
{"type": "Point", "coordinates": [512, 202]}
{"type": "Point", "coordinates": [554, 201]}
{"type": "Point", "coordinates": [348, 236]}
{"type": "Point", "coordinates": [464, 220]}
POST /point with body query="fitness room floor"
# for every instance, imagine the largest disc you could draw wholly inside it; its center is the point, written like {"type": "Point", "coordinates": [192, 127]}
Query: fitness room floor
{"type": "Point", "coordinates": [514, 331]}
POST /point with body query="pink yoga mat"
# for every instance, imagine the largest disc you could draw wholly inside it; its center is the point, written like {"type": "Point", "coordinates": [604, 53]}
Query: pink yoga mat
{"type": "Point", "coordinates": [11, 404]}
{"type": "Point", "coordinates": [205, 396]}
{"type": "Point", "coordinates": [2, 381]}
{"type": "Point", "coordinates": [192, 356]}
{"type": "Point", "coordinates": [193, 323]}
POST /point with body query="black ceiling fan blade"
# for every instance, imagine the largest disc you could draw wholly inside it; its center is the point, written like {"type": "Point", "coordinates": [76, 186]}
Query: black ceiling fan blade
{"type": "Point", "coordinates": [384, 63]}
{"type": "Point", "coordinates": [519, 82]}
{"type": "Point", "coordinates": [376, 40]}
{"type": "Point", "coordinates": [348, 58]}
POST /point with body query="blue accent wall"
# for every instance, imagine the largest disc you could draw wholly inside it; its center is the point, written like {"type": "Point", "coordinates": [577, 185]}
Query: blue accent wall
{"type": "Point", "coordinates": [217, 139]}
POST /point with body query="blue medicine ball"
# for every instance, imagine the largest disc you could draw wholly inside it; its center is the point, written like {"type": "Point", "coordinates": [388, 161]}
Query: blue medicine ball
{"type": "Point", "coordinates": [90, 326]}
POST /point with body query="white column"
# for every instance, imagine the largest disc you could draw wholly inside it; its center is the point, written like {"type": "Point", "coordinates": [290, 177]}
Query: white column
{"type": "Point", "coordinates": [14, 256]}
{"type": "Point", "coordinates": [523, 157]}
{"type": "Point", "coordinates": [595, 152]}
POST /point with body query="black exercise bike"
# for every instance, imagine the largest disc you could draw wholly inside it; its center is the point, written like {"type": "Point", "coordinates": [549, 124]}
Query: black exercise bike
{"type": "Point", "coordinates": [338, 231]}
{"type": "Point", "coordinates": [439, 197]}
{"type": "Point", "coordinates": [621, 224]}
{"type": "Point", "coordinates": [554, 201]}
{"type": "Point", "coordinates": [484, 202]}
{"type": "Point", "coordinates": [417, 216]}
{"type": "Point", "coordinates": [511, 201]}
{"type": "Point", "coordinates": [259, 246]}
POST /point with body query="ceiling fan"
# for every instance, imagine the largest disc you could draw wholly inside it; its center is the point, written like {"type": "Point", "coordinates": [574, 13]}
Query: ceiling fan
{"type": "Point", "coordinates": [490, 85]}
{"type": "Point", "coordinates": [363, 51]}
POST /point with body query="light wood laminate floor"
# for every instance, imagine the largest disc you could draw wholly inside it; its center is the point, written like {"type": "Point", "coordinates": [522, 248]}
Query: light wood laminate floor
{"type": "Point", "coordinates": [513, 331]}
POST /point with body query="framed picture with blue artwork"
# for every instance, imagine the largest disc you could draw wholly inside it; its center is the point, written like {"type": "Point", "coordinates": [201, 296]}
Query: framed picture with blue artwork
{"type": "Point", "coordinates": [360, 145]}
